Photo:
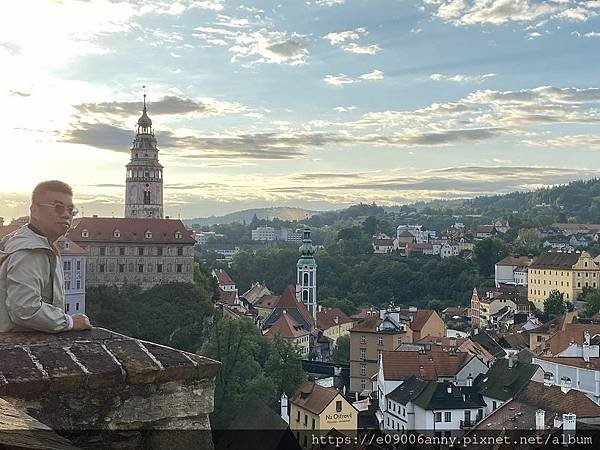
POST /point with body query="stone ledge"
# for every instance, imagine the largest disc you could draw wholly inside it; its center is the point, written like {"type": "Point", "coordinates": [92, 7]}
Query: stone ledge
{"type": "Point", "coordinates": [32, 363]}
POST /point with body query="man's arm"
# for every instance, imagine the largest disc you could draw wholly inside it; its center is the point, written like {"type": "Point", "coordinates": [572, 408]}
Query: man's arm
{"type": "Point", "coordinates": [27, 271]}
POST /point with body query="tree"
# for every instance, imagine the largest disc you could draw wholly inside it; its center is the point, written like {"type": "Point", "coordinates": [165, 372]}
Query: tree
{"type": "Point", "coordinates": [591, 297]}
{"type": "Point", "coordinates": [487, 253]}
{"type": "Point", "coordinates": [341, 352]}
{"type": "Point", "coordinates": [555, 305]}
{"type": "Point", "coordinates": [284, 366]}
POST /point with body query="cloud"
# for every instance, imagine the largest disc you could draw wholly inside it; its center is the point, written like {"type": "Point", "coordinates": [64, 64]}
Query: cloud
{"type": "Point", "coordinates": [346, 40]}
{"type": "Point", "coordinates": [461, 78]}
{"type": "Point", "coordinates": [580, 141]}
{"type": "Point", "coordinates": [499, 12]}
{"type": "Point", "coordinates": [19, 94]}
{"type": "Point", "coordinates": [330, 2]}
{"type": "Point", "coordinates": [167, 105]}
{"type": "Point", "coordinates": [254, 46]}
{"type": "Point", "coordinates": [375, 75]}
{"type": "Point", "coordinates": [341, 79]}
{"type": "Point", "coordinates": [344, 108]}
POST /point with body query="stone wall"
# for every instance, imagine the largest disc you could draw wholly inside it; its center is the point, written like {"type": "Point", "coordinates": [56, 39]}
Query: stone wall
{"type": "Point", "coordinates": [103, 389]}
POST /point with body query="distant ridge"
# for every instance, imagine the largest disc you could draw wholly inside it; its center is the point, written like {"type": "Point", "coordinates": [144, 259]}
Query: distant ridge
{"type": "Point", "coordinates": [283, 213]}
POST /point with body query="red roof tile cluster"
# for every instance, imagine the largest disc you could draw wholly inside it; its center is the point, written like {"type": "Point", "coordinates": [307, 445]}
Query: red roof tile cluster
{"type": "Point", "coordinates": [286, 327]}
{"type": "Point", "coordinates": [551, 398]}
{"type": "Point", "coordinates": [330, 317]}
{"type": "Point", "coordinates": [68, 247]}
{"type": "Point", "coordinates": [419, 317]}
{"type": "Point", "coordinates": [313, 398]}
{"type": "Point", "coordinates": [512, 260]}
{"type": "Point", "coordinates": [288, 300]}
{"type": "Point", "coordinates": [7, 229]}
{"type": "Point", "coordinates": [227, 297]}
{"type": "Point", "coordinates": [383, 242]}
{"type": "Point", "coordinates": [102, 229]}
{"type": "Point", "coordinates": [424, 365]}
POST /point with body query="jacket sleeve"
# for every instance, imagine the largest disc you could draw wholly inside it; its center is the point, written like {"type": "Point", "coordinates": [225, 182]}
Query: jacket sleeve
{"type": "Point", "coordinates": [27, 271]}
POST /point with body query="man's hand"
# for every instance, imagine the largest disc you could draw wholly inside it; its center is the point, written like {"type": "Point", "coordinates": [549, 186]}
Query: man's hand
{"type": "Point", "coordinates": [80, 322]}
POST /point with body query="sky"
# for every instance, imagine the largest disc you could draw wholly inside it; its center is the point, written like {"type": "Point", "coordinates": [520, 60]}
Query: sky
{"type": "Point", "coordinates": [318, 104]}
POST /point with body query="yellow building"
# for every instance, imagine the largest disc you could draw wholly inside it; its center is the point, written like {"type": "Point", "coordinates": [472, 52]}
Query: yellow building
{"type": "Point", "coordinates": [316, 410]}
{"type": "Point", "coordinates": [567, 273]}
{"type": "Point", "coordinates": [334, 323]}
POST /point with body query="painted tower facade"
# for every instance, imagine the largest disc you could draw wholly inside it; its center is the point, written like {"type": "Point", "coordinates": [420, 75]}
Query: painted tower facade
{"type": "Point", "coordinates": [144, 181]}
{"type": "Point", "coordinates": [306, 278]}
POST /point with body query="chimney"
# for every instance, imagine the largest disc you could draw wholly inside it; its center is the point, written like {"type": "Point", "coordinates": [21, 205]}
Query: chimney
{"type": "Point", "coordinates": [285, 415]}
{"type": "Point", "coordinates": [540, 418]}
{"type": "Point", "coordinates": [511, 361]}
{"type": "Point", "coordinates": [469, 380]}
{"type": "Point", "coordinates": [449, 389]}
{"type": "Point", "coordinates": [548, 379]}
{"type": "Point", "coordinates": [569, 424]}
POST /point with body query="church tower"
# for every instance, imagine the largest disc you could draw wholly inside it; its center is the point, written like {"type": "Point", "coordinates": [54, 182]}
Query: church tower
{"type": "Point", "coordinates": [144, 182]}
{"type": "Point", "coordinates": [306, 279]}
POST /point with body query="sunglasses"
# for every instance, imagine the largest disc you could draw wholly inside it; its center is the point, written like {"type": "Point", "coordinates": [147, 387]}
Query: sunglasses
{"type": "Point", "coordinates": [59, 208]}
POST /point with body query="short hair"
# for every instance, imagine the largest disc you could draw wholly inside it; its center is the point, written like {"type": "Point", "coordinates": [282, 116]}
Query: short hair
{"type": "Point", "coordinates": [50, 186]}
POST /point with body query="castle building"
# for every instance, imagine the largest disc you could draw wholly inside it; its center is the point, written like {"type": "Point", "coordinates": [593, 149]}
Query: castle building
{"type": "Point", "coordinates": [306, 274]}
{"type": "Point", "coordinates": [144, 180]}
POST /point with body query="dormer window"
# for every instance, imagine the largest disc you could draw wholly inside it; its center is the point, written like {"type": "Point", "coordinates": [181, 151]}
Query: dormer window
{"type": "Point", "coordinates": [148, 234]}
{"type": "Point", "coordinates": [85, 233]}
{"type": "Point", "coordinates": [178, 235]}
{"type": "Point", "coordinates": [117, 234]}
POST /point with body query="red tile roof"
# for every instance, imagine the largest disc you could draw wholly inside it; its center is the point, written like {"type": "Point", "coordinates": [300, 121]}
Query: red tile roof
{"type": "Point", "coordinates": [227, 297]}
{"type": "Point", "coordinates": [313, 398]}
{"type": "Point", "coordinates": [551, 398]}
{"type": "Point", "coordinates": [572, 332]}
{"type": "Point", "coordinates": [7, 229]}
{"type": "Point", "coordinates": [424, 365]}
{"type": "Point", "coordinates": [288, 300]}
{"type": "Point", "coordinates": [101, 229]}
{"type": "Point", "coordinates": [419, 317]}
{"type": "Point", "coordinates": [368, 324]}
{"type": "Point", "coordinates": [515, 261]}
{"type": "Point", "coordinates": [286, 327]}
{"type": "Point", "coordinates": [330, 317]}
{"type": "Point", "coordinates": [223, 277]}
{"type": "Point", "coordinates": [266, 301]}
{"type": "Point", "coordinates": [384, 242]}
{"type": "Point", "coordinates": [68, 247]}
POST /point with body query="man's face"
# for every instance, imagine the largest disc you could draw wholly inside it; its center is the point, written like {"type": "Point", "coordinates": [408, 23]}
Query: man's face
{"type": "Point", "coordinates": [50, 214]}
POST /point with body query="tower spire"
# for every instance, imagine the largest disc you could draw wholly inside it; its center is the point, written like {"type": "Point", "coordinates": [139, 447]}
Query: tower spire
{"type": "Point", "coordinates": [144, 88]}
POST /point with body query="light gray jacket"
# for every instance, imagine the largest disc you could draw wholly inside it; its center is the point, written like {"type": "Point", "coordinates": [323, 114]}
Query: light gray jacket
{"type": "Point", "coordinates": [30, 297]}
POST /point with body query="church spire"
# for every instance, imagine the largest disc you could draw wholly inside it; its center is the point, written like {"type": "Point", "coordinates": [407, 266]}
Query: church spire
{"type": "Point", "coordinates": [144, 122]}
{"type": "Point", "coordinates": [306, 274]}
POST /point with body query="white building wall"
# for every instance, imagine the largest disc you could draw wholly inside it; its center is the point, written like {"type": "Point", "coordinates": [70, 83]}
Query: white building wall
{"type": "Point", "coordinates": [584, 380]}
{"type": "Point", "coordinates": [504, 274]}
{"type": "Point", "coordinates": [74, 274]}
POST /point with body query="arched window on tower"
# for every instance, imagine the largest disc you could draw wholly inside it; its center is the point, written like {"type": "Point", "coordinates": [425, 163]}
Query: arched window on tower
{"type": "Point", "coordinates": [146, 197]}
{"type": "Point", "coordinates": [305, 279]}
{"type": "Point", "coordinates": [305, 295]}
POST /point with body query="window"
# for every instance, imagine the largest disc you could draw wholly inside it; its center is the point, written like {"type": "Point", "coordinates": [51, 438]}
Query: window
{"type": "Point", "coordinates": [102, 251]}
{"type": "Point", "coordinates": [116, 233]}
{"type": "Point", "coordinates": [313, 424]}
{"type": "Point", "coordinates": [494, 405]}
{"type": "Point", "coordinates": [122, 251]}
{"type": "Point", "coordinates": [68, 307]}
{"type": "Point", "coordinates": [338, 406]}
{"type": "Point", "coordinates": [131, 267]}
{"type": "Point", "coordinates": [78, 266]}
{"type": "Point", "coordinates": [140, 268]}
{"type": "Point", "coordinates": [179, 267]}
{"type": "Point", "coordinates": [305, 419]}
{"type": "Point", "coordinates": [298, 417]}
{"type": "Point", "coordinates": [437, 416]}
{"type": "Point", "coordinates": [140, 251]}
{"type": "Point", "coordinates": [67, 284]}
{"type": "Point", "coordinates": [178, 235]}
{"type": "Point", "coordinates": [121, 268]}
{"type": "Point", "coordinates": [448, 416]}
{"type": "Point", "coordinates": [101, 268]}
{"type": "Point", "coordinates": [363, 353]}
{"type": "Point", "coordinates": [67, 266]}
{"type": "Point", "coordinates": [363, 383]}
{"type": "Point", "coordinates": [77, 306]}
{"type": "Point", "coordinates": [363, 369]}
{"type": "Point", "coordinates": [111, 267]}
{"type": "Point", "coordinates": [363, 339]}
{"type": "Point", "coordinates": [78, 284]}
{"type": "Point", "coordinates": [379, 340]}
{"type": "Point", "coordinates": [85, 233]}
{"type": "Point", "coordinates": [159, 268]}
{"type": "Point", "coordinates": [149, 267]}
{"type": "Point", "coordinates": [179, 251]}
{"type": "Point", "coordinates": [159, 251]}
{"type": "Point", "coordinates": [148, 234]}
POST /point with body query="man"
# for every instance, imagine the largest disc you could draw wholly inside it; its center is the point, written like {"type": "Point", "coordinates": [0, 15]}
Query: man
{"type": "Point", "coordinates": [32, 293]}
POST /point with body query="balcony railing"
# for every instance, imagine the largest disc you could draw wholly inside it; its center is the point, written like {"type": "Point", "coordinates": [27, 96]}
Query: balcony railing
{"type": "Point", "coordinates": [464, 424]}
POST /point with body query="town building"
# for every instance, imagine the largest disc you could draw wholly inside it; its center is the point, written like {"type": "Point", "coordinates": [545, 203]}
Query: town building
{"type": "Point", "coordinates": [146, 252]}
{"type": "Point", "coordinates": [144, 179]}
{"type": "Point", "coordinates": [315, 408]}
{"type": "Point", "coordinates": [442, 409]}
{"type": "Point", "coordinates": [74, 260]}
{"type": "Point", "coordinates": [567, 273]}
{"type": "Point", "coordinates": [413, 234]}
{"type": "Point", "coordinates": [227, 291]}
{"type": "Point", "coordinates": [384, 244]}
{"type": "Point", "coordinates": [263, 234]}
{"type": "Point", "coordinates": [512, 270]}
{"type": "Point", "coordinates": [387, 330]}
{"type": "Point", "coordinates": [485, 231]}
{"type": "Point", "coordinates": [334, 323]}
{"type": "Point", "coordinates": [486, 302]}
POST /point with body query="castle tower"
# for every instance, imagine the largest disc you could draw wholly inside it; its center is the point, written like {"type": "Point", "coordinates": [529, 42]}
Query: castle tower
{"type": "Point", "coordinates": [306, 279]}
{"type": "Point", "coordinates": [144, 181]}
